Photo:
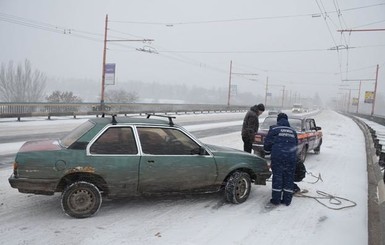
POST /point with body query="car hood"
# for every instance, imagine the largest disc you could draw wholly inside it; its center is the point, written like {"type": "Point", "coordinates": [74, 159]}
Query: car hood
{"type": "Point", "coordinates": [215, 149]}
{"type": "Point", "coordinates": [262, 132]}
{"type": "Point", "coordinates": [40, 145]}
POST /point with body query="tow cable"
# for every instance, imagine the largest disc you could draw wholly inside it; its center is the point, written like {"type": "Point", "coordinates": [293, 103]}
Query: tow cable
{"type": "Point", "coordinates": [334, 201]}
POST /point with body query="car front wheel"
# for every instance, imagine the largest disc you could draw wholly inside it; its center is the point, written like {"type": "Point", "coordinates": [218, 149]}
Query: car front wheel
{"type": "Point", "coordinates": [302, 155]}
{"type": "Point", "coordinates": [238, 187]}
{"type": "Point", "coordinates": [81, 199]}
{"type": "Point", "coordinates": [318, 148]}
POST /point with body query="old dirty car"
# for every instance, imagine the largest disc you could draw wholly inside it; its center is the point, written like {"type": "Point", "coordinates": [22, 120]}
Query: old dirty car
{"type": "Point", "coordinates": [309, 135]}
{"type": "Point", "coordinates": [120, 157]}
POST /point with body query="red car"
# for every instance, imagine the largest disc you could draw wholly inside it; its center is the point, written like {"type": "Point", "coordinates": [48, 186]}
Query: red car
{"type": "Point", "coordinates": [309, 136]}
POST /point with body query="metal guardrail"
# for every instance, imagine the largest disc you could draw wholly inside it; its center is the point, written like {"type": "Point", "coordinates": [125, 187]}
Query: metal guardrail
{"type": "Point", "coordinates": [44, 109]}
{"type": "Point", "coordinates": [375, 118]}
{"type": "Point", "coordinates": [376, 186]}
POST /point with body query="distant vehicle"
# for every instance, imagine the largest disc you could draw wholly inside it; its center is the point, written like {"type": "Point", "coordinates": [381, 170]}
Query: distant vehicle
{"type": "Point", "coordinates": [119, 157]}
{"type": "Point", "coordinates": [309, 136]}
{"type": "Point", "coordinates": [273, 111]}
{"type": "Point", "coordinates": [297, 108]}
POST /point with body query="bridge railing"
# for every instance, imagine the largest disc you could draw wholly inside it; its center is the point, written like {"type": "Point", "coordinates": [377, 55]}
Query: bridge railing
{"type": "Point", "coordinates": [19, 110]}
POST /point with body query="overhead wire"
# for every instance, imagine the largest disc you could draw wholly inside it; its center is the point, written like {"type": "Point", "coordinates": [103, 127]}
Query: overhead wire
{"type": "Point", "coordinates": [325, 17]}
{"type": "Point", "coordinates": [169, 24]}
{"type": "Point", "coordinates": [343, 25]}
{"type": "Point", "coordinates": [86, 34]}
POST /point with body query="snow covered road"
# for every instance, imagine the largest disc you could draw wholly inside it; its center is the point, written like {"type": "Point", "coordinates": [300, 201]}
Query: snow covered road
{"type": "Point", "coordinates": [207, 219]}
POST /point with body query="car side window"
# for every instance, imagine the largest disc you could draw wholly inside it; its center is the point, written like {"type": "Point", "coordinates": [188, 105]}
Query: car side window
{"type": "Point", "coordinates": [307, 125]}
{"type": "Point", "coordinates": [312, 124]}
{"type": "Point", "coordinates": [115, 140]}
{"type": "Point", "coordinates": [165, 141]}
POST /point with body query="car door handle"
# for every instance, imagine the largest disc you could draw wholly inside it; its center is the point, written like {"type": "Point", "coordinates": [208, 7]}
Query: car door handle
{"type": "Point", "coordinates": [151, 161]}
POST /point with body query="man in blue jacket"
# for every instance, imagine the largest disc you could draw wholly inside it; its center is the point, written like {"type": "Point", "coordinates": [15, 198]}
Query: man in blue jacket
{"type": "Point", "coordinates": [282, 142]}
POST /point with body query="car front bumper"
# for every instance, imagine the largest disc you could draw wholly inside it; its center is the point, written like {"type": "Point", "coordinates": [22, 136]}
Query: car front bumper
{"type": "Point", "coordinates": [259, 148]}
{"type": "Point", "coordinates": [262, 177]}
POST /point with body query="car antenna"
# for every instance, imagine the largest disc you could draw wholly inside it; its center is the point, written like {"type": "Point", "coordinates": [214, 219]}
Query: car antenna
{"type": "Point", "coordinates": [170, 122]}
{"type": "Point", "coordinates": [114, 122]}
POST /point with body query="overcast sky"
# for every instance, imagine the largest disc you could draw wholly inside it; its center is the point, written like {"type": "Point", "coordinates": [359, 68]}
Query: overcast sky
{"type": "Point", "coordinates": [293, 43]}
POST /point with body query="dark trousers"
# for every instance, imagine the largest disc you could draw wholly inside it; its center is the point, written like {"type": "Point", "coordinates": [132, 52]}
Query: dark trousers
{"type": "Point", "coordinates": [247, 144]}
{"type": "Point", "coordinates": [283, 182]}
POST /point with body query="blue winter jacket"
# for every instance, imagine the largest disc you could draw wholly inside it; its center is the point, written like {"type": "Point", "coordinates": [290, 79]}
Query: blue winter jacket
{"type": "Point", "coordinates": [282, 141]}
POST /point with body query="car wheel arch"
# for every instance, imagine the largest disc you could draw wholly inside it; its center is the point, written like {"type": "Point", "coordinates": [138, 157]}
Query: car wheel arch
{"type": "Point", "coordinates": [250, 172]}
{"type": "Point", "coordinates": [95, 179]}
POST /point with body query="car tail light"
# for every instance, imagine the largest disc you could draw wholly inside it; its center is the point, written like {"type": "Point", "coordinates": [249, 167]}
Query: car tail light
{"type": "Point", "coordinates": [258, 138]}
{"type": "Point", "coordinates": [15, 166]}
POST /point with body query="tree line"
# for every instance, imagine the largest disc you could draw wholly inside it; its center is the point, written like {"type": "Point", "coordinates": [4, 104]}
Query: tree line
{"type": "Point", "coordinates": [21, 83]}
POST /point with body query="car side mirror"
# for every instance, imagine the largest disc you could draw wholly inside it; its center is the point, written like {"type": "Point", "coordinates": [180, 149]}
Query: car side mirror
{"type": "Point", "coordinates": [198, 151]}
{"type": "Point", "coordinates": [318, 128]}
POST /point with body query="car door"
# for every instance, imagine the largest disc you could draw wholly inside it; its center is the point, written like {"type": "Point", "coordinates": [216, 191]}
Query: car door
{"type": "Point", "coordinates": [170, 162]}
{"type": "Point", "coordinates": [311, 132]}
{"type": "Point", "coordinates": [115, 154]}
{"type": "Point", "coordinates": [317, 135]}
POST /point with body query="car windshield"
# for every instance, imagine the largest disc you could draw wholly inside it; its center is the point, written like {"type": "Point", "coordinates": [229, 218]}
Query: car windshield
{"type": "Point", "coordinates": [69, 139]}
{"type": "Point", "coordinates": [270, 121]}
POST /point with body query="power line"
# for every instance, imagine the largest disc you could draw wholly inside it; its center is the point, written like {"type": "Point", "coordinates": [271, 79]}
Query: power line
{"type": "Point", "coordinates": [170, 24]}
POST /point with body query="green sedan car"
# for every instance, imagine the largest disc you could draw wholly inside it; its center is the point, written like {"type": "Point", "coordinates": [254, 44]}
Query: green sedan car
{"type": "Point", "coordinates": [120, 157]}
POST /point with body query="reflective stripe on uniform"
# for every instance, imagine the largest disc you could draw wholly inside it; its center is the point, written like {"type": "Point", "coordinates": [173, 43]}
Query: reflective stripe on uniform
{"type": "Point", "coordinates": [287, 190]}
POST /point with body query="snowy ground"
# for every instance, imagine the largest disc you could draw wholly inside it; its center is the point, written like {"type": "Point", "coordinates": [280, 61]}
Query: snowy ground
{"type": "Point", "coordinates": [206, 219]}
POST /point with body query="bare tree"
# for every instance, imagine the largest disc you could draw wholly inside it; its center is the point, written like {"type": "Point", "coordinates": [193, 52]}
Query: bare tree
{"type": "Point", "coordinates": [121, 96]}
{"type": "Point", "coordinates": [66, 97]}
{"type": "Point", "coordinates": [21, 83]}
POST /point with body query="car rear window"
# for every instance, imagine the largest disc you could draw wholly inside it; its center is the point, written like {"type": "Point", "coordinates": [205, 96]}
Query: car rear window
{"type": "Point", "coordinates": [270, 121]}
{"type": "Point", "coordinates": [78, 132]}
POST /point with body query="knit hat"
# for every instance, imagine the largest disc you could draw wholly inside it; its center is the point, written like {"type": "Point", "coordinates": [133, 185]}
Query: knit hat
{"type": "Point", "coordinates": [281, 115]}
{"type": "Point", "coordinates": [261, 107]}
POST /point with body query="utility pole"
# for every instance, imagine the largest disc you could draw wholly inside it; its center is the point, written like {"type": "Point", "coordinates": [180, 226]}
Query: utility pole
{"type": "Point", "coordinates": [102, 104]}
{"type": "Point", "coordinates": [267, 87]}
{"type": "Point", "coordinates": [359, 95]}
{"type": "Point", "coordinates": [283, 95]}
{"type": "Point", "coordinates": [104, 65]}
{"type": "Point", "coordinates": [228, 96]}
{"type": "Point", "coordinates": [375, 88]}
{"type": "Point", "coordinates": [375, 91]}
{"type": "Point", "coordinates": [231, 73]}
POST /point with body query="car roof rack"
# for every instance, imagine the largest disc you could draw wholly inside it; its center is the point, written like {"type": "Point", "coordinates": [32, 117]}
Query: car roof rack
{"type": "Point", "coordinates": [113, 121]}
{"type": "Point", "coordinates": [171, 123]}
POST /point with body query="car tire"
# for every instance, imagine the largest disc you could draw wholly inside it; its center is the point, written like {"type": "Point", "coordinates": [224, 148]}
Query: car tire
{"type": "Point", "coordinates": [302, 155]}
{"type": "Point", "coordinates": [318, 148]}
{"type": "Point", "coordinates": [81, 199]}
{"type": "Point", "coordinates": [238, 187]}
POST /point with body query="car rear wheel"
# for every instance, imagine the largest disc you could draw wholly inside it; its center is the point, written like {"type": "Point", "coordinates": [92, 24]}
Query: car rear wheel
{"type": "Point", "coordinates": [81, 199]}
{"type": "Point", "coordinates": [238, 187]}
{"type": "Point", "coordinates": [302, 155]}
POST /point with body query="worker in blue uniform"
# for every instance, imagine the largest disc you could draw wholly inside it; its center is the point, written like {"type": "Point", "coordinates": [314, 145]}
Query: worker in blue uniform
{"type": "Point", "coordinates": [282, 142]}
